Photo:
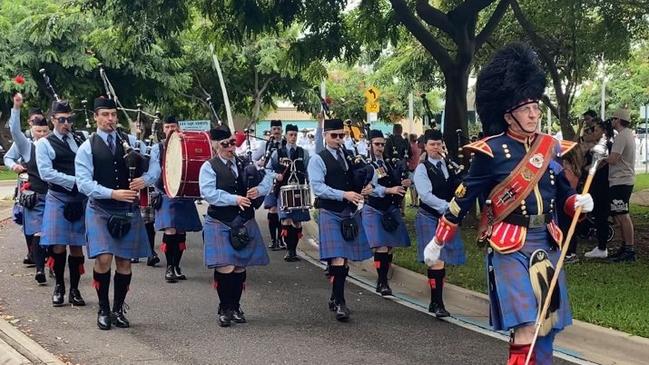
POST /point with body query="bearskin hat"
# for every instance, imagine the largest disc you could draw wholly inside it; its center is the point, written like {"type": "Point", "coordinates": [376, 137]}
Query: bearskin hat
{"type": "Point", "coordinates": [513, 76]}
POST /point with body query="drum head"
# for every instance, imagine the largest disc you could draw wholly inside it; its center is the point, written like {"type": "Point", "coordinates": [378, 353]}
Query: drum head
{"type": "Point", "coordinates": [173, 165]}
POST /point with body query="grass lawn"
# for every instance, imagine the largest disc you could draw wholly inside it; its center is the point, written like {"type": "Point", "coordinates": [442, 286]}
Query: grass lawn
{"type": "Point", "coordinates": [609, 295]}
{"type": "Point", "coordinates": [641, 182]}
{"type": "Point", "coordinates": [7, 174]}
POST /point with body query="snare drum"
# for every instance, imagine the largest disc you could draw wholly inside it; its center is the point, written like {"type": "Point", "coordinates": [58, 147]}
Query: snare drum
{"type": "Point", "coordinates": [294, 197]}
{"type": "Point", "coordinates": [183, 159]}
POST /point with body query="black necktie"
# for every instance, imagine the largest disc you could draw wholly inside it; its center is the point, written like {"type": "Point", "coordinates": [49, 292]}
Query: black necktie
{"type": "Point", "coordinates": [291, 154]}
{"type": "Point", "coordinates": [111, 144]}
{"type": "Point", "coordinates": [380, 163]}
{"type": "Point", "coordinates": [341, 160]}
{"type": "Point", "coordinates": [229, 164]}
{"type": "Point", "coordinates": [438, 164]}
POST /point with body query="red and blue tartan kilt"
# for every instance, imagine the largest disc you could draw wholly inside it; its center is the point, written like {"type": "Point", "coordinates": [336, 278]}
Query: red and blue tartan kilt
{"type": "Point", "coordinates": [270, 200]}
{"type": "Point", "coordinates": [134, 245]}
{"type": "Point", "coordinates": [513, 303]}
{"type": "Point", "coordinates": [300, 215]}
{"type": "Point", "coordinates": [377, 236]}
{"type": "Point", "coordinates": [56, 230]}
{"type": "Point", "coordinates": [33, 218]}
{"type": "Point", "coordinates": [218, 251]}
{"type": "Point", "coordinates": [178, 213]}
{"type": "Point", "coordinates": [452, 252]}
{"type": "Point", "coordinates": [148, 214]}
{"type": "Point", "coordinates": [332, 244]}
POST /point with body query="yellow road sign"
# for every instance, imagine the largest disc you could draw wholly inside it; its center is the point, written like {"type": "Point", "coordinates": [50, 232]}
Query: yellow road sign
{"type": "Point", "coordinates": [372, 107]}
{"type": "Point", "coordinates": [372, 94]}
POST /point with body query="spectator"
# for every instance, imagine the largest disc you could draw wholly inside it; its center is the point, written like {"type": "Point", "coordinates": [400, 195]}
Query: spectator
{"type": "Point", "coordinates": [415, 151]}
{"type": "Point", "coordinates": [396, 146]}
{"type": "Point", "coordinates": [621, 178]}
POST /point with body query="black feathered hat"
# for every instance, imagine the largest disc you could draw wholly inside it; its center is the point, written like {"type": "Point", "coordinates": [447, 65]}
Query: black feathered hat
{"type": "Point", "coordinates": [375, 133]}
{"type": "Point", "coordinates": [103, 102]}
{"type": "Point", "coordinates": [291, 128]}
{"type": "Point", "coordinates": [60, 106]}
{"type": "Point", "coordinates": [34, 111]}
{"type": "Point", "coordinates": [432, 135]}
{"type": "Point", "coordinates": [39, 121]}
{"type": "Point", "coordinates": [220, 133]}
{"type": "Point", "coordinates": [512, 77]}
{"type": "Point", "coordinates": [171, 119]}
{"type": "Point", "coordinates": [275, 123]}
{"type": "Point", "coordinates": [333, 124]}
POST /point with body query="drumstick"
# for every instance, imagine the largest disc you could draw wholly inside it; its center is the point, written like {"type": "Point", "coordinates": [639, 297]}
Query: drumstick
{"type": "Point", "coordinates": [599, 152]}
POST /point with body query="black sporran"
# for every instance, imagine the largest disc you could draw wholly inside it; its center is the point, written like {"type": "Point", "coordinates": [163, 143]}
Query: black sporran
{"type": "Point", "coordinates": [239, 237]}
{"type": "Point", "coordinates": [73, 211]}
{"type": "Point", "coordinates": [118, 226]}
{"type": "Point", "coordinates": [156, 200]}
{"type": "Point", "coordinates": [389, 223]}
{"type": "Point", "coordinates": [349, 229]}
{"type": "Point", "coordinates": [28, 199]}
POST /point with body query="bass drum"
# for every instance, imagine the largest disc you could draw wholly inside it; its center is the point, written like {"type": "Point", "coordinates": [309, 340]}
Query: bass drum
{"type": "Point", "coordinates": [185, 153]}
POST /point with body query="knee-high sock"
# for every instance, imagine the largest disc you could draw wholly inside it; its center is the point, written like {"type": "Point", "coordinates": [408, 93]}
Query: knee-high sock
{"type": "Point", "coordinates": [223, 283]}
{"type": "Point", "coordinates": [38, 253]}
{"type": "Point", "coordinates": [289, 234]}
{"type": "Point", "coordinates": [238, 286]}
{"type": "Point", "coordinates": [518, 354]}
{"type": "Point", "coordinates": [543, 349]}
{"type": "Point", "coordinates": [181, 238]}
{"type": "Point", "coordinates": [382, 265]}
{"type": "Point", "coordinates": [28, 242]}
{"type": "Point", "coordinates": [75, 264]}
{"type": "Point", "coordinates": [150, 232]}
{"type": "Point", "coordinates": [169, 247]}
{"type": "Point", "coordinates": [273, 225]}
{"type": "Point", "coordinates": [122, 282]}
{"type": "Point", "coordinates": [59, 267]}
{"type": "Point", "coordinates": [101, 283]}
{"type": "Point", "coordinates": [436, 282]}
{"type": "Point", "coordinates": [339, 276]}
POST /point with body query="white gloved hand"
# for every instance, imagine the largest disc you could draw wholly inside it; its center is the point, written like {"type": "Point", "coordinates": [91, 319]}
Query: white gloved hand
{"type": "Point", "coordinates": [432, 252]}
{"type": "Point", "coordinates": [585, 201]}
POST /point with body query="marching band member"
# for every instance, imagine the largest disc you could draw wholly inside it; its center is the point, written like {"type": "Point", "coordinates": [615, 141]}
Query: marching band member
{"type": "Point", "coordinates": [147, 212]}
{"type": "Point", "coordinates": [382, 219]}
{"type": "Point", "coordinates": [291, 220]}
{"type": "Point", "coordinates": [435, 181]}
{"type": "Point", "coordinates": [517, 168]}
{"type": "Point", "coordinates": [174, 216]}
{"type": "Point", "coordinates": [270, 201]}
{"type": "Point", "coordinates": [33, 196]}
{"type": "Point", "coordinates": [232, 240]}
{"type": "Point", "coordinates": [332, 179]}
{"type": "Point", "coordinates": [114, 224]}
{"type": "Point", "coordinates": [64, 204]}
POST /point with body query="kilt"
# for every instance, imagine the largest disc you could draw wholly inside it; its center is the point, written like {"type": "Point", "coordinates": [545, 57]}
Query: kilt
{"type": "Point", "coordinates": [270, 200]}
{"type": "Point", "coordinates": [178, 213]}
{"type": "Point", "coordinates": [300, 215]}
{"type": "Point", "coordinates": [148, 214]}
{"type": "Point", "coordinates": [134, 245]}
{"type": "Point", "coordinates": [377, 236]}
{"type": "Point", "coordinates": [513, 303]}
{"type": "Point", "coordinates": [56, 230]}
{"type": "Point", "coordinates": [33, 218]}
{"type": "Point", "coordinates": [452, 252]}
{"type": "Point", "coordinates": [332, 244]}
{"type": "Point", "coordinates": [217, 250]}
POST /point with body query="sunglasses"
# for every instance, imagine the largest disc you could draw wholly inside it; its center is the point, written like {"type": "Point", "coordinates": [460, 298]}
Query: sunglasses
{"type": "Point", "coordinates": [337, 135]}
{"type": "Point", "coordinates": [378, 144]}
{"type": "Point", "coordinates": [64, 120]}
{"type": "Point", "coordinates": [229, 143]}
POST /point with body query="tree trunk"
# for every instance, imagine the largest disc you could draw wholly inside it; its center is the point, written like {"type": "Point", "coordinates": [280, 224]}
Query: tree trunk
{"type": "Point", "coordinates": [455, 110]}
{"type": "Point", "coordinates": [567, 130]}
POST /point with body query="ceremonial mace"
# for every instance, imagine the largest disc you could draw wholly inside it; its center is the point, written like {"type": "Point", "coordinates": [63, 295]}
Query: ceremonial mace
{"type": "Point", "coordinates": [599, 153]}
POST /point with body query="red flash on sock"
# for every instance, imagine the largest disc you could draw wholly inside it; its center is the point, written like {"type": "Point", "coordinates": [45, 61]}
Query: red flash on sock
{"type": "Point", "coordinates": [96, 284]}
{"type": "Point", "coordinates": [163, 247]}
{"type": "Point", "coordinates": [182, 246]}
{"type": "Point", "coordinates": [82, 270]}
{"type": "Point", "coordinates": [518, 354]}
{"type": "Point", "coordinates": [432, 283]}
{"type": "Point", "coordinates": [215, 284]}
{"type": "Point", "coordinates": [377, 264]}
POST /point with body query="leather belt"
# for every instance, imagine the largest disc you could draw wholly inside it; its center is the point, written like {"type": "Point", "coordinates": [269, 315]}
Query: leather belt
{"type": "Point", "coordinates": [529, 221]}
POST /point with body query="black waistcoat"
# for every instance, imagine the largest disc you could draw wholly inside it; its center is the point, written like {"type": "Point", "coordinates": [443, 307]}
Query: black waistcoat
{"type": "Point", "coordinates": [64, 160]}
{"type": "Point", "coordinates": [299, 165]}
{"type": "Point", "coordinates": [225, 181]}
{"type": "Point", "coordinates": [443, 188]}
{"type": "Point", "coordinates": [388, 182]}
{"type": "Point", "coordinates": [336, 178]}
{"type": "Point", "coordinates": [109, 170]}
{"type": "Point", "coordinates": [35, 182]}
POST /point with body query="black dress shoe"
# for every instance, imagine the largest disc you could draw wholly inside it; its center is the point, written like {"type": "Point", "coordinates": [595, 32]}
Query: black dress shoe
{"type": "Point", "coordinates": [58, 297]}
{"type": "Point", "coordinates": [153, 260]}
{"type": "Point", "coordinates": [103, 319]}
{"type": "Point", "coordinates": [40, 277]}
{"type": "Point", "coordinates": [225, 317]}
{"type": "Point", "coordinates": [170, 275]}
{"type": "Point", "coordinates": [135, 261]}
{"type": "Point", "coordinates": [342, 312]}
{"type": "Point", "coordinates": [282, 244]}
{"type": "Point", "coordinates": [291, 257]}
{"type": "Point", "coordinates": [273, 245]}
{"type": "Point", "coordinates": [75, 298]}
{"type": "Point", "coordinates": [28, 261]}
{"type": "Point", "coordinates": [119, 320]}
{"type": "Point", "coordinates": [238, 317]}
{"type": "Point", "coordinates": [179, 273]}
{"type": "Point", "coordinates": [385, 289]}
{"type": "Point", "coordinates": [438, 310]}
{"type": "Point", "coordinates": [332, 305]}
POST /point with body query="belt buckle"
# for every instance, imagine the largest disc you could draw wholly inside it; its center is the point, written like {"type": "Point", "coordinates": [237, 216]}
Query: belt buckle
{"type": "Point", "coordinates": [536, 221]}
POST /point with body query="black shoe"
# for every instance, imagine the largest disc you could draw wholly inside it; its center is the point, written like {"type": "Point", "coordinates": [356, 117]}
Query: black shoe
{"type": "Point", "coordinates": [438, 310]}
{"type": "Point", "coordinates": [332, 305]}
{"type": "Point", "coordinates": [385, 289]}
{"type": "Point", "coordinates": [103, 319]}
{"type": "Point", "coordinates": [58, 297]}
{"type": "Point", "coordinates": [179, 273]}
{"type": "Point", "coordinates": [170, 275]}
{"type": "Point", "coordinates": [28, 261]}
{"type": "Point", "coordinates": [282, 244]}
{"type": "Point", "coordinates": [238, 317]}
{"type": "Point", "coordinates": [119, 320]}
{"type": "Point", "coordinates": [273, 245]}
{"type": "Point", "coordinates": [153, 260]}
{"type": "Point", "coordinates": [40, 277]}
{"type": "Point", "coordinates": [291, 257]}
{"type": "Point", "coordinates": [225, 317]}
{"type": "Point", "coordinates": [378, 286]}
{"type": "Point", "coordinates": [618, 252]}
{"type": "Point", "coordinates": [626, 256]}
{"type": "Point", "coordinates": [342, 312]}
{"type": "Point", "coordinates": [135, 261]}
{"type": "Point", "coordinates": [75, 298]}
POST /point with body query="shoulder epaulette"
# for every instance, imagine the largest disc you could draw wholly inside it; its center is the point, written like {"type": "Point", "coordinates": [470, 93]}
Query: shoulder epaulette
{"type": "Point", "coordinates": [482, 146]}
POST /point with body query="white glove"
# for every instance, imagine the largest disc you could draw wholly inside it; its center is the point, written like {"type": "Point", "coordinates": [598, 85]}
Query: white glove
{"type": "Point", "coordinates": [585, 201]}
{"type": "Point", "coordinates": [432, 252]}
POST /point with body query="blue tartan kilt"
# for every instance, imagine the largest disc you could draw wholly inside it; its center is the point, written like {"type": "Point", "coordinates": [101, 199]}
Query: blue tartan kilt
{"type": "Point", "coordinates": [301, 215]}
{"type": "Point", "coordinates": [56, 230]}
{"type": "Point", "coordinates": [134, 244]}
{"type": "Point", "coordinates": [452, 252]}
{"type": "Point", "coordinates": [332, 244]}
{"type": "Point", "coordinates": [512, 303]}
{"type": "Point", "coordinates": [178, 213]}
{"type": "Point", "coordinates": [270, 200]}
{"type": "Point", "coordinates": [377, 236]}
{"type": "Point", "coordinates": [218, 251]}
{"type": "Point", "coordinates": [33, 218]}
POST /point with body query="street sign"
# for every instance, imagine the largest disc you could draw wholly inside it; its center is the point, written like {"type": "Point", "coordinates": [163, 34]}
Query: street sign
{"type": "Point", "coordinates": [195, 125]}
{"type": "Point", "coordinates": [372, 107]}
{"type": "Point", "coordinates": [372, 94]}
